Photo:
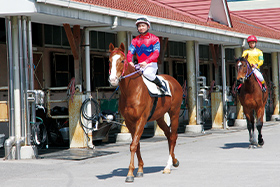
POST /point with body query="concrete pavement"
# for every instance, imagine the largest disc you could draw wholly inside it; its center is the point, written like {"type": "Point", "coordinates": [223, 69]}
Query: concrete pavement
{"type": "Point", "coordinates": [218, 158]}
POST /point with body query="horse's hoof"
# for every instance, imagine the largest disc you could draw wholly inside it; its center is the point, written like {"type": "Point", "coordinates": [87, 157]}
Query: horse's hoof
{"type": "Point", "coordinates": [139, 174]}
{"type": "Point", "coordinates": [260, 144]}
{"type": "Point", "coordinates": [166, 171]}
{"type": "Point", "coordinates": [129, 179]}
{"type": "Point", "coordinates": [252, 146]}
{"type": "Point", "coordinates": [176, 164]}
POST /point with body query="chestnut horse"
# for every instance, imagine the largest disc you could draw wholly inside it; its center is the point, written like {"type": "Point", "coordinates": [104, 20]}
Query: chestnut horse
{"type": "Point", "coordinates": [252, 98]}
{"type": "Point", "coordinates": [135, 105]}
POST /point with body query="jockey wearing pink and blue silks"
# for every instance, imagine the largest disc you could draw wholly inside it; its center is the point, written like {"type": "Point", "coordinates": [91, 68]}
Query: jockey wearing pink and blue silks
{"type": "Point", "coordinates": [147, 48]}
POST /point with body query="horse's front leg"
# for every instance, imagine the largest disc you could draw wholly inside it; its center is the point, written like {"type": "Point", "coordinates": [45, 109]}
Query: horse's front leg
{"type": "Point", "coordinates": [140, 172]}
{"type": "Point", "coordinates": [134, 147]}
{"type": "Point", "coordinates": [259, 126]}
{"type": "Point", "coordinates": [251, 129]}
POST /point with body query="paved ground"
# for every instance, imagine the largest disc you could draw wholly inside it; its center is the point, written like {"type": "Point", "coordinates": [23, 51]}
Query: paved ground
{"type": "Point", "coordinates": [218, 158]}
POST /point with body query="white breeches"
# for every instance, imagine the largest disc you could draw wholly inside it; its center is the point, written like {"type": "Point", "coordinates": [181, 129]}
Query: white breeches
{"type": "Point", "coordinates": [150, 71]}
{"type": "Point", "coordinates": [258, 74]}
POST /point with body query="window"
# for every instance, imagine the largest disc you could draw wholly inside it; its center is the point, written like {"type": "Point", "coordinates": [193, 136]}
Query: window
{"type": "Point", "coordinates": [166, 67]}
{"type": "Point", "coordinates": [100, 72]}
{"type": "Point", "coordinates": [204, 52]}
{"type": "Point", "coordinates": [177, 49]}
{"type": "Point", "coordinates": [62, 69]}
{"type": "Point", "coordinates": [179, 71]}
{"type": "Point", "coordinates": [204, 71]}
{"type": "Point", "coordinates": [2, 30]}
{"type": "Point", "coordinates": [267, 59]}
{"type": "Point", "coordinates": [55, 35]}
{"type": "Point", "coordinates": [37, 36]}
{"type": "Point", "coordinates": [229, 55]}
{"type": "Point", "coordinates": [101, 40]}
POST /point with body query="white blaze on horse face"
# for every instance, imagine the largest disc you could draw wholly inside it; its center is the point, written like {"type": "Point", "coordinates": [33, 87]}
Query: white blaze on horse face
{"type": "Point", "coordinates": [113, 76]}
{"type": "Point", "coordinates": [239, 64]}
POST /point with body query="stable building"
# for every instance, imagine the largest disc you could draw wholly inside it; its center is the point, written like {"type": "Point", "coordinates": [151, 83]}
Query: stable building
{"type": "Point", "coordinates": [44, 44]}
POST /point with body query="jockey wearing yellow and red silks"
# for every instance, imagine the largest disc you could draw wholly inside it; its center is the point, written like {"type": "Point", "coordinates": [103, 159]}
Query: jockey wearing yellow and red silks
{"type": "Point", "coordinates": [255, 58]}
{"type": "Point", "coordinates": [147, 48]}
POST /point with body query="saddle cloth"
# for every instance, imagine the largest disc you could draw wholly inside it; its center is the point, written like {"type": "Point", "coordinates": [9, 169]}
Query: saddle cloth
{"type": "Point", "coordinates": [259, 82]}
{"type": "Point", "coordinates": [153, 90]}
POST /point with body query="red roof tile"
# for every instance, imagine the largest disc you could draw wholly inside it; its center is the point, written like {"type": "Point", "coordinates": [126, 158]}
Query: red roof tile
{"type": "Point", "coordinates": [268, 17]}
{"type": "Point", "coordinates": [157, 9]}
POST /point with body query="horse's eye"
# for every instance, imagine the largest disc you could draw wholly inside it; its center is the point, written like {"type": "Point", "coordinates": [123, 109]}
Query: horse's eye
{"type": "Point", "coordinates": [122, 61]}
{"type": "Point", "coordinates": [244, 66]}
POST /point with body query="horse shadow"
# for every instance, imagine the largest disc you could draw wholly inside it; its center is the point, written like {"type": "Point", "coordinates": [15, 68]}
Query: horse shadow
{"type": "Point", "coordinates": [122, 172]}
{"type": "Point", "coordinates": [236, 145]}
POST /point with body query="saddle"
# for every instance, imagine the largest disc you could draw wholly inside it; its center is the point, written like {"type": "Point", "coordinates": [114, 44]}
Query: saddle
{"type": "Point", "coordinates": [153, 89]}
{"type": "Point", "coordinates": [259, 83]}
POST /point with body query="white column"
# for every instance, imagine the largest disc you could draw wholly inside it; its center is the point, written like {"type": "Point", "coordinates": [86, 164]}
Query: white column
{"type": "Point", "coordinates": [275, 81]}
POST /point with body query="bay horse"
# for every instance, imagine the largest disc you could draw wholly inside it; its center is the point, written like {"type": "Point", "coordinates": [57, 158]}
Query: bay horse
{"type": "Point", "coordinates": [135, 105]}
{"type": "Point", "coordinates": [252, 98]}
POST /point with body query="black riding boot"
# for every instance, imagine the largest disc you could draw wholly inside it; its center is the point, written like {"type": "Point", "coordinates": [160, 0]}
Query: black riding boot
{"type": "Point", "coordinates": [162, 88]}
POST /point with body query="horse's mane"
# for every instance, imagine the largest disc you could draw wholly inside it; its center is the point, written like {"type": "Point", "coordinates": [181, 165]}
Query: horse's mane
{"type": "Point", "coordinates": [241, 59]}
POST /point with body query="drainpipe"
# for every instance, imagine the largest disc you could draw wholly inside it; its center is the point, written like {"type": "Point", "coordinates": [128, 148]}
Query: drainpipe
{"type": "Point", "coordinates": [87, 59]}
{"type": "Point", "coordinates": [26, 83]}
{"type": "Point", "coordinates": [225, 111]}
{"type": "Point", "coordinates": [11, 140]}
{"type": "Point", "coordinates": [21, 140]}
{"type": "Point", "coordinates": [31, 72]}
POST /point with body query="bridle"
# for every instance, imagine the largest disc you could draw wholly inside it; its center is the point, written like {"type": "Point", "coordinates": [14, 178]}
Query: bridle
{"type": "Point", "coordinates": [123, 61]}
{"type": "Point", "coordinates": [125, 67]}
{"type": "Point", "coordinates": [248, 67]}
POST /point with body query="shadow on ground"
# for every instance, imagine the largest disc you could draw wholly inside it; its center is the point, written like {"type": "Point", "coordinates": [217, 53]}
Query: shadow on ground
{"type": "Point", "coordinates": [122, 172]}
{"type": "Point", "coordinates": [236, 145]}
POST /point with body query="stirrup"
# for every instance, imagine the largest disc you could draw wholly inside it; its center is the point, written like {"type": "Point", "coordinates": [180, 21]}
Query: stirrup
{"type": "Point", "coordinates": [163, 89]}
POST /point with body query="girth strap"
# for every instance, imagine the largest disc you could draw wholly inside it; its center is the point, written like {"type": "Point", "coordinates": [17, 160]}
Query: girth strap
{"type": "Point", "coordinates": [153, 109]}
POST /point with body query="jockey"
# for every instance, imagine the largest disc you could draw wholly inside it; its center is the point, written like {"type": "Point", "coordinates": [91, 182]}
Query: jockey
{"type": "Point", "coordinates": [147, 48]}
{"type": "Point", "coordinates": [255, 58]}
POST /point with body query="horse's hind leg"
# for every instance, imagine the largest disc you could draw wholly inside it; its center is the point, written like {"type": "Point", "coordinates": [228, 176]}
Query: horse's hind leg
{"type": "Point", "coordinates": [171, 135]}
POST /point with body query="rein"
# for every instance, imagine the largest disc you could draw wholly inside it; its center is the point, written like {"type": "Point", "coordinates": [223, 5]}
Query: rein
{"type": "Point", "coordinates": [123, 77]}
{"type": "Point", "coordinates": [125, 67]}
{"type": "Point", "coordinates": [248, 67]}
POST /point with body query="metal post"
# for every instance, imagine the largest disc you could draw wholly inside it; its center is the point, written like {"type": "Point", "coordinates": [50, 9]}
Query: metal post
{"type": "Point", "coordinates": [11, 140]}
{"type": "Point", "coordinates": [21, 78]}
{"type": "Point", "coordinates": [276, 85]}
{"type": "Point", "coordinates": [26, 83]}
{"type": "Point", "coordinates": [31, 65]}
{"type": "Point", "coordinates": [88, 82]}
{"type": "Point", "coordinates": [224, 86]}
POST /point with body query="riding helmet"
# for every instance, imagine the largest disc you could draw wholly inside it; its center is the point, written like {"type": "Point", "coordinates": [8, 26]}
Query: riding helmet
{"type": "Point", "coordinates": [143, 19]}
{"type": "Point", "coordinates": [252, 38]}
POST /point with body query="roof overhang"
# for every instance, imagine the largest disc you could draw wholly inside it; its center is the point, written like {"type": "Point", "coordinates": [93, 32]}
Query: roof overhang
{"type": "Point", "coordinates": [58, 12]}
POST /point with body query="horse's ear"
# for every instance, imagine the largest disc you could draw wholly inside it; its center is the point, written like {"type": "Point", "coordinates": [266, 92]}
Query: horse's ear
{"type": "Point", "coordinates": [122, 48]}
{"type": "Point", "coordinates": [111, 47]}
